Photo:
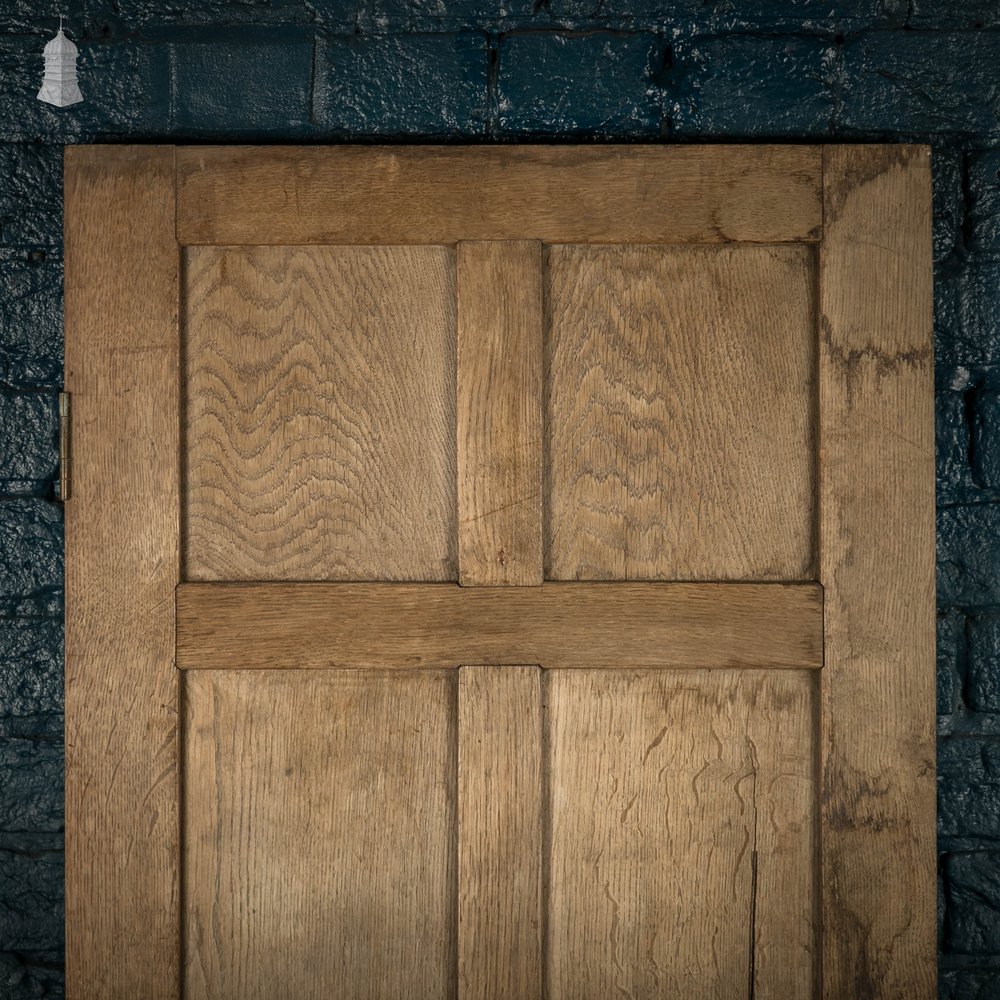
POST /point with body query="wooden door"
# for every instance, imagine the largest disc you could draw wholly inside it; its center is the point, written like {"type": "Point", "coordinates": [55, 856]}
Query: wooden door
{"type": "Point", "coordinates": [500, 573]}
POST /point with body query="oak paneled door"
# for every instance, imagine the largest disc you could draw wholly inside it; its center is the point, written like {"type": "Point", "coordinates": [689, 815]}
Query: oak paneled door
{"type": "Point", "coordinates": [500, 573]}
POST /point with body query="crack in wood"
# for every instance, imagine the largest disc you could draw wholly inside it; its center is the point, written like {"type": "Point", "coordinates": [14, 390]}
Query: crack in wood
{"type": "Point", "coordinates": [752, 952]}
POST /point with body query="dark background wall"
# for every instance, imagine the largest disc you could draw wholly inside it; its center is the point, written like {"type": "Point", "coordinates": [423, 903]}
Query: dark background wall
{"type": "Point", "coordinates": [468, 70]}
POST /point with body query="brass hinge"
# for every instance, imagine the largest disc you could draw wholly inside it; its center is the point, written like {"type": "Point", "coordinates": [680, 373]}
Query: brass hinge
{"type": "Point", "coordinates": [64, 446]}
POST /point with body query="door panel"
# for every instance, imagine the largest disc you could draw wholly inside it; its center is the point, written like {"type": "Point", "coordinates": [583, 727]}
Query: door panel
{"type": "Point", "coordinates": [682, 858]}
{"type": "Point", "coordinates": [680, 406]}
{"type": "Point", "coordinates": [320, 394]}
{"type": "Point", "coordinates": [319, 834]}
{"type": "Point", "coordinates": [667, 810]}
{"type": "Point", "coordinates": [555, 614]}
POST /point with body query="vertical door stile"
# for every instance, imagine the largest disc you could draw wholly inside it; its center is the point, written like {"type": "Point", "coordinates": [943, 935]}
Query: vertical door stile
{"type": "Point", "coordinates": [877, 567]}
{"type": "Point", "coordinates": [499, 427]}
{"type": "Point", "coordinates": [122, 567]}
{"type": "Point", "coordinates": [500, 838]}
{"type": "Point", "coordinates": [499, 390]}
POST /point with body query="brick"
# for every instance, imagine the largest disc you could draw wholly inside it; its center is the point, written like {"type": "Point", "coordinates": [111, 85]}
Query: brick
{"type": "Point", "coordinates": [125, 87]}
{"type": "Point", "coordinates": [950, 348]}
{"type": "Point", "coordinates": [29, 448]}
{"type": "Point", "coordinates": [502, 16]}
{"type": "Point", "coordinates": [32, 727]}
{"type": "Point", "coordinates": [722, 90]}
{"type": "Point", "coordinates": [799, 16]}
{"type": "Point", "coordinates": [687, 17]}
{"type": "Point", "coordinates": [31, 319]}
{"type": "Point", "coordinates": [967, 403]}
{"type": "Point", "coordinates": [983, 173]}
{"type": "Point", "coordinates": [921, 82]}
{"type": "Point", "coordinates": [25, 17]}
{"type": "Point", "coordinates": [341, 16]}
{"type": "Point", "coordinates": [680, 17]}
{"type": "Point", "coordinates": [969, 555]}
{"type": "Point", "coordinates": [30, 196]}
{"type": "Point", "coordinates": [401, 16]}
{"type": "Point", "coordinates": [969, 787]}
{"type": "Point", "coordinates": [983, 663]}
{"type": "Point", "coordinates": [31, 558]}
{"type": "Point", "coordinates": [32, 976]}
{"type": "Point", "coordinates": [31, 900]}
{"type": "Point", "coordinates": [973, 903]}
{"type": "Point", "coordinates": [979, 311]}
{"type": "Point", "coordinates": [968, 984]}
{"type": "Point", "coordinates": [950, 647]}
{"type": "Point", "coordinates": [986, 435]}
{"type": "Point", "coordinates": [953, 433]}
{"type": "Point", "coordinates": [949, 199]}
{"type": "Point", "coordinates": [138, 14]}
{"type": "Point", "coordinates": [967, 312]}
{"type": "Point", "coordinates": [596, 84]}
{"type": "Point", "coordinates": [580, 11]}
{"type": "Point", "coordinates": [416, 85]}
{"type": "Point", "coordinates": [259, 84]}
{"type": "Point", "coordinates": [940, 908]}
{"type": "Point", "coordinates": [938, 14]}
{"type": "Point", "coordinates": [31, 785]}
{"type": "Point", "coordinates": [31, 667]}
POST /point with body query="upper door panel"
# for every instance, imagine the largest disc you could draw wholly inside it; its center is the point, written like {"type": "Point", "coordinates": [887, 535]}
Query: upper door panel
{"type": "Point", "coordinates": [675, 398]}
{"type": "Point", "coordinates": [320, 413]}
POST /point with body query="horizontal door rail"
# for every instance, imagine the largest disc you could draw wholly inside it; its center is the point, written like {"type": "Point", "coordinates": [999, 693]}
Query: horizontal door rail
{"type": "Point", "coordinates": [268, 626]}
{"type": "Point", "coordinates": [295, 195]}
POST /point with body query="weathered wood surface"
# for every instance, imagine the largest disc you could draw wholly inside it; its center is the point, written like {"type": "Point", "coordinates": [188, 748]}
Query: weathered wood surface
{"type": "Point", "coordinates": [320, 413]}
{"type": "Point", "coordinates": [500, 838]}
{"type": "Point", "coordinates": [440, 194]}
{"type": "Point", "coordinates": [877, 565]}
{"type": "Point", "coordinates": [694, 828]}
{"type": "Point", "coordinates": [122, 565]}
{"type": "Point", "coordinates": [277, 626]}
{"type": "Point", "coordinates": [500, 335]}
{"type": "Point", "coordinates": [680, 413]}
{"type": "Point", "coordinates": [319, 835]}
{"type": "Point", "coordinates": [683, 839]}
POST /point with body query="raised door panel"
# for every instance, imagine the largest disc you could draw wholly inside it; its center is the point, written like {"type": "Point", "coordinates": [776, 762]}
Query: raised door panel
{"type": "Point", "coordinates": [683, 837]}
{"type": "Point", "coordinates": [319, 835]}
{"type": "Point", "coordinates": [680, 413]}
{"type": "Point", "coordinates": [320, 413]}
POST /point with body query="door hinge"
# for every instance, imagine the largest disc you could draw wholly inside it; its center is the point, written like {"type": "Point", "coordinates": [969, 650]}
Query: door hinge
{"type": "Point", "coordinates": [64, 446]}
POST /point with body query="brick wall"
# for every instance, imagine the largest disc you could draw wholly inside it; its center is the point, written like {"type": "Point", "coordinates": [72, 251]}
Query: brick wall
{"type": "Point", "coordinates": [687, 70]}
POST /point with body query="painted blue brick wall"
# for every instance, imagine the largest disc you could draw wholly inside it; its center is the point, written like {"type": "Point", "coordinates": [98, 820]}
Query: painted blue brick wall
{"type": "Point", "coordinates": [659, 70]}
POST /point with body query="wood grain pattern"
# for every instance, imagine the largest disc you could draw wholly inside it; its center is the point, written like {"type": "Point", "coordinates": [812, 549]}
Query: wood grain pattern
{"type": "Point", "coordinates": [440, 194]}
{"type": "Point", "coordinates": [680, 406]}
{"type": "Point", "coordinates": [877, 564]}
{"type": "Point", "coordinates": [122, 564]}
{"type": "Point", "coordinates": [500, 315]}
{"type": "Point", "coordinates": [697, 827]}
{"type": "Point", "coordinates": [320, 413]}
{"type": "Point", "coordinates": [682, 812]}
{"type": "Point", "coordinates": [319, 820]}
{"type": "Point", "coordinates": [499, 833]}
{"type": "Point", "coordinates": [270, 626]}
